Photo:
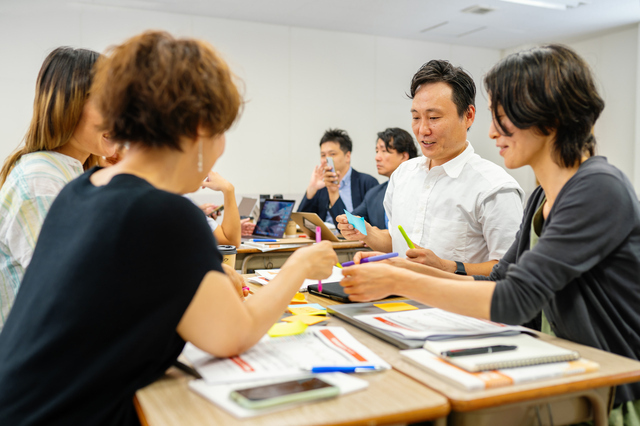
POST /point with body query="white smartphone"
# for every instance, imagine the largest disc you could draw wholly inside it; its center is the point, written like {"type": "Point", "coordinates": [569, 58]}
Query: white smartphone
{"type": "Point", "coordinates": [281, 393]}
{"type": "Point", "coordinates": [330, 164]}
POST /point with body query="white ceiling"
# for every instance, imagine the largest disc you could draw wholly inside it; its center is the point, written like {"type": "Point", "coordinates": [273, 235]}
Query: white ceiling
{"type": "Point", "coordinates": [508, 26]}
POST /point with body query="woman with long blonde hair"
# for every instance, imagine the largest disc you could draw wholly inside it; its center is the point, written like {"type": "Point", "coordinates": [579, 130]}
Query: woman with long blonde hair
{"type": "Point", "coordinates": [62, 141]}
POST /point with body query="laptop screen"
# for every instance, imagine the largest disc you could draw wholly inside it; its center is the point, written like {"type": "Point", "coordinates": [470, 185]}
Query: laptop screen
{"type": "Point", "coordinates": [274, 216]}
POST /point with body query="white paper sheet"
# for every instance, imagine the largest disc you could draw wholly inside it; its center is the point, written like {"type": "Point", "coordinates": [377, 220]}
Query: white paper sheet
{"type": "Point", "coordinates": [290, 356]}
{"type": "Point", "coordinates": [263, 276]}
{"type": "Point", "coordinates": [435, 324]}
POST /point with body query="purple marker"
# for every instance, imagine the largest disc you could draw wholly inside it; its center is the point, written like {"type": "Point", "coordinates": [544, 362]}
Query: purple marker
{"type": "Point", "coordinates": [372, 259]}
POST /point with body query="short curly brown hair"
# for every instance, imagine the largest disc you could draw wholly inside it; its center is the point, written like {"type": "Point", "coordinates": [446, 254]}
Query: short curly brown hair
{"type": "Point", "coordinates": [154, 89]}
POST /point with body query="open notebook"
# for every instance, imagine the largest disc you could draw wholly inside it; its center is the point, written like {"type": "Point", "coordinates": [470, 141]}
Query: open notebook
{"type": "Point", "coordinates": [529, 351]}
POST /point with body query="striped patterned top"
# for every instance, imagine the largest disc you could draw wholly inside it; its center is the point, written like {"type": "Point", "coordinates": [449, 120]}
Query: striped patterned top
{"type": "Point", "coordinates": [25, 198]}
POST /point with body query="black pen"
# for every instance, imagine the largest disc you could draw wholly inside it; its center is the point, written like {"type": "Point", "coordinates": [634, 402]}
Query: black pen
{"type": "Point", "coordinates": [477, 351]}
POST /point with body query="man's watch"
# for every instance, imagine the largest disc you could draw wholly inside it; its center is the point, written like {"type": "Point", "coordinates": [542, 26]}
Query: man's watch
{"type": "Point", "coordinates": [460, 268]}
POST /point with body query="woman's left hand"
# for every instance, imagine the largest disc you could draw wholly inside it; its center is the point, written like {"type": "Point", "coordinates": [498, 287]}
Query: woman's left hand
{"type": "Point", "coordinates": [370, 281]}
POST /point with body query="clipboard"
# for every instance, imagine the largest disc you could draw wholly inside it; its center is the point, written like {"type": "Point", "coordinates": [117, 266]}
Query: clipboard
{"type": "Point", "coordinates": [308, 222]}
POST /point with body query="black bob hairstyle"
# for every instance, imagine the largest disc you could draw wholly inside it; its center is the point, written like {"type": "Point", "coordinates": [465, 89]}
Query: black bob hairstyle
{"type": "Point", "coordinates": [548, 88]}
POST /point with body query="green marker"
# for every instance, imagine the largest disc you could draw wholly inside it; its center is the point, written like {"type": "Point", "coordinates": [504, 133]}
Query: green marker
{"type": "Point", "coordinates": [406, 238]}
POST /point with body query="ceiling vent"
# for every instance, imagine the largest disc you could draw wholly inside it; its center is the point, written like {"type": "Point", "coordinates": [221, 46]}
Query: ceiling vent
{"type": "Point", "coordinates": [478, 10]}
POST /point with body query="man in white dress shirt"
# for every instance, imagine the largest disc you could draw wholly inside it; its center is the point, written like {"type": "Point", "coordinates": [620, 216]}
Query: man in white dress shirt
{"type": "Point", "coordinates": [462, 212]}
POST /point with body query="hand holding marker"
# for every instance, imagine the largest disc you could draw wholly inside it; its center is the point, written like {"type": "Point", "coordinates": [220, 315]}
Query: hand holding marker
{"type": "Point", "coordinates": [372, 259]}
{"type": "Point", "coordinates": [406, 238]}
{"type": "Point", "coordinates": [318, 239]}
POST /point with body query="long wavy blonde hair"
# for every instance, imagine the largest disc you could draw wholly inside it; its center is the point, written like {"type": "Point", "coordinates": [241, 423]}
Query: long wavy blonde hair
{"type": "Point", "coordinates": [61, 91]}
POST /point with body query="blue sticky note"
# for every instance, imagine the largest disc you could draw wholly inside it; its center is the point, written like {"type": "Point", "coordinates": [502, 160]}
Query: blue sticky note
{"type": "Point", "coordinates": [357, 222]}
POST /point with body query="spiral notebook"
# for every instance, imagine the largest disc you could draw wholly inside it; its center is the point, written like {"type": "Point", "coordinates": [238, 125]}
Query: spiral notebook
{"type": "Point", "coordinates": [529, 351]}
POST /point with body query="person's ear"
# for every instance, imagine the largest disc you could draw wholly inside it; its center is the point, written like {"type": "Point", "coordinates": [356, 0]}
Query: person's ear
{"type": "Point", "coordinates": [470, 116]}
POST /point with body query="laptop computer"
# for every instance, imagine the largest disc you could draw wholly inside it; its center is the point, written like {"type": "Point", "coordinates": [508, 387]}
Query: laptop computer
{"type": "Point", "coordinates": [274, 216]}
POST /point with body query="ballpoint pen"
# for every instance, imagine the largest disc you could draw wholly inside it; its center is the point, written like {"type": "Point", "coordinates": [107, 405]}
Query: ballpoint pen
{"type": "Point", "coordinates": [344, 369]}
{"type": "Point", "coordinates": [478, 351]}
{"type": "Point", "coordinates": [263, 240]}
{"type": "Point", "coordinates": [372, 259]}
{"type": "Point", "coordinates": [406, 238]}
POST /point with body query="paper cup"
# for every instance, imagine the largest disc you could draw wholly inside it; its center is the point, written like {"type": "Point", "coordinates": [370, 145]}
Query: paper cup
{"type": "Point", "coordinates": [291, 229]}
{"type": "Point", "coordinates": [228, 255]}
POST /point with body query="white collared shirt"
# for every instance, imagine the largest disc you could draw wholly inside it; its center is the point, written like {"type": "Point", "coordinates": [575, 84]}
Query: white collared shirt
{"type": "Point", "coordinates": [468, 209]}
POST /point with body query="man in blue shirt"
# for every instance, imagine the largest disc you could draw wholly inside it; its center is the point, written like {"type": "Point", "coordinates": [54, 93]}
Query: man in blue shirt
{"type": "Point", "coordinates": [331, 192]}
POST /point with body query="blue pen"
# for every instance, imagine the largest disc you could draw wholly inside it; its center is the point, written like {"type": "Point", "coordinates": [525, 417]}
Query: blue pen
{"type": "Point", "coordinates": [372, 259]}
{"type": "Point", "coordinates": [258, 240]}
{"type": "Point", "coordinates": [344, 369]}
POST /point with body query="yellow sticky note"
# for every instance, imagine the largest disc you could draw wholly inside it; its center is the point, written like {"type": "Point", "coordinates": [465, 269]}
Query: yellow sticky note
{"type": "Point", "coordinates": [280, 329]}
{"type": "Point", "coordinates": [307, 310]}
{"type": "Point", "coordinates": [298, 299]}
{"type": "Point", "coordinates": [395, 307]}
{"type": "Point", "coordinates": [307, 319]}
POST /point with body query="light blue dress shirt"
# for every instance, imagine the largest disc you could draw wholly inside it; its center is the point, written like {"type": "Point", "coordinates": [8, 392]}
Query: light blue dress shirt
{"type": "Point", "coordinates": [345, 194]}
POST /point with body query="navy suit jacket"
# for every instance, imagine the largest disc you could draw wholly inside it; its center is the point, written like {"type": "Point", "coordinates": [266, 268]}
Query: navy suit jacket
{"type": "Point", "coordinates": [361, 183]}
{"type": "Point", "coordinates": [372, 208]}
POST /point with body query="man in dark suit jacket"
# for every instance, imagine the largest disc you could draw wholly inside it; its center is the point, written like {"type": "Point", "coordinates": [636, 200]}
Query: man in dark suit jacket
{"type": "Point", "coordinates": [394, 147]}
{"type": "Point", "coordinates": [330, 192]}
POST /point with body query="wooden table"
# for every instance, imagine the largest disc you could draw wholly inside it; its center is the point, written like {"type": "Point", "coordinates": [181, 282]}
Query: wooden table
{"type": "Point", "coordinates": [250, 259]}
{"type": "Point", "coordinates": [564, 400]}
{"type": "Point", "coordinates": [391, 398]}
{"type": "Point", "coordinates": [409, 394]}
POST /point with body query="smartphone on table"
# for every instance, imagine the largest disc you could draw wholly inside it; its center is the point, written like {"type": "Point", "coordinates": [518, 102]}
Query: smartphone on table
{"type": "Point", "coordinates": [284, 392]}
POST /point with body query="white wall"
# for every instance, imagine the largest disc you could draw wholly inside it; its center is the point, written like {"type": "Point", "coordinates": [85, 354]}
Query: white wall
{"type": "Point", "coordinates": [614, 58]}
{"type": "Point", "coordinates": [298, 82]}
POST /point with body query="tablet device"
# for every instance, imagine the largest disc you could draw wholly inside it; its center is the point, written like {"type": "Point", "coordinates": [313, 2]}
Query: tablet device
{"type": "Point", "coordinates": [332, 291]}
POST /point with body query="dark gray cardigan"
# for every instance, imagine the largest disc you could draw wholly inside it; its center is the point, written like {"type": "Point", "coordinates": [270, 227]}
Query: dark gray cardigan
{"type": "Point", "coordinates": [585, 269]}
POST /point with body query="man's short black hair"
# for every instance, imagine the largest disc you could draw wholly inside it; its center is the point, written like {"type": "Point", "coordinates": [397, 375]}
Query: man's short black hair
{"type": "Point", "coordinates": [441, 71]}
{"type": "Point", "coordinates": [399, 140]}
{"type": "Point", "coordinates": [340, 137]}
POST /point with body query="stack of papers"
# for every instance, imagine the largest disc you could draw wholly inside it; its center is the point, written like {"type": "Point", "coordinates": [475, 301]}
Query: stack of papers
{"type": "Point", "coordinates": [435, 324]}
{"type": "Point", "coordinates": [263, 276]}
{"type": "Point", "coordinates": [281, 243]}
{"type": "Point", "coordinates": [285, 357]}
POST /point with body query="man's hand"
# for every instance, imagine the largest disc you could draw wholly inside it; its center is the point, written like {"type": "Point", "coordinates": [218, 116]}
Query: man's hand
{"type": "Point", "coordinates": [429, 258]}
{"type": "Point", "coordinates": [348, 231]}
{"type": "Point", "coordinates": [247, 227]}
{"type": "Point", "coordinates": [236, 280]}
{"type": "Point", "coordinates": [317, 180]}
{"type": "Point", "coordinates": [332, 181]}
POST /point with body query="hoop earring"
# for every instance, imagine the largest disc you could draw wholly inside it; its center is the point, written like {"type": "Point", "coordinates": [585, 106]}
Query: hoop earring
{"type": "Point", "coordinates": [200, 157]}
